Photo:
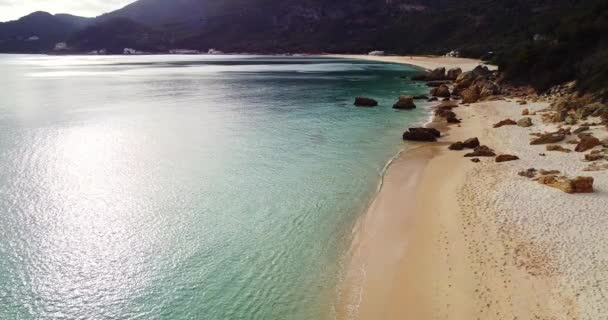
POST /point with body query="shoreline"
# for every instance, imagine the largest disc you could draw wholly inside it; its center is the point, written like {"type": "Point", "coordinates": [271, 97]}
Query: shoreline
{"type": "Point", "coordinates": [432, 244]}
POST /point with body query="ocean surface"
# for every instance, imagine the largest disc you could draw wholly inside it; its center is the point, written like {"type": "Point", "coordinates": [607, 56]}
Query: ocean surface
{"type": "Point", "coordinates": [187, 187]}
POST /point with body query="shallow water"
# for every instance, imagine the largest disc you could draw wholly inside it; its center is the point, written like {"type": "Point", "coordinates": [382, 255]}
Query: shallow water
{"type": "Point", "coordinates": [186, 187]}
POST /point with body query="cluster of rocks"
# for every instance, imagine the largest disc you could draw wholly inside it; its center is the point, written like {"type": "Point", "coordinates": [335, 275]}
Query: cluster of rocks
{"type": "Point", "coordinates": [555, 180]}
{"type": "Point", "coordinates": [444, 110]}
{"type": "Point", "coordinates": [479, 151]}
{"type": "Point", "coordinates": [471, 86]}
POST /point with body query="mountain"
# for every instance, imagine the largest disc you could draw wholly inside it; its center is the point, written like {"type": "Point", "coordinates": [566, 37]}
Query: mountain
{"type": "Point", "coordinates": [39, 31]}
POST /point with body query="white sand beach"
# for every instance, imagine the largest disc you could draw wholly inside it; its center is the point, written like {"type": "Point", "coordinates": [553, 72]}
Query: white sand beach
{"type": "Point", "coordinates": [447, 238]}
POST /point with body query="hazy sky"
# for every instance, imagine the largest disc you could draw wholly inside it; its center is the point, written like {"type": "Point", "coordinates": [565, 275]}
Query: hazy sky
{"type": "Point", "coordinates": [14, 9]}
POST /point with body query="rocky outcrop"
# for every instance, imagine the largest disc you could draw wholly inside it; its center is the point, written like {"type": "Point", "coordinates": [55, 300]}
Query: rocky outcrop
{"type": "Point", "coordinates": [568, 185]}
{"type": "Point", "coordinates": [481, 151]}
{"type": "Point", "coordinates": [405, 103]}
{"type": "Point", "coordinates": [506, 157]}
{"type": "Point", "coordinates": [506, 122]}
{"type": "Point", "coordinates": [422, 134]}
{"type": "Point", "coordinates": [365, 102]}
{"type": "Point", "coordinates": [587, 142]}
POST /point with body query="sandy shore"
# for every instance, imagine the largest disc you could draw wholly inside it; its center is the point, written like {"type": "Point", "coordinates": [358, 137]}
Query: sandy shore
{"type": "Point", "coordinates": [450, 239]}
{"type": "Point", "coordinates": [427, 62]}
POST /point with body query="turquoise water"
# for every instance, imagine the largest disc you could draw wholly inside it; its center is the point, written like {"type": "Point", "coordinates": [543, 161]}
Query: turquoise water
{"type": "Point", "coordinates": [186, 187]}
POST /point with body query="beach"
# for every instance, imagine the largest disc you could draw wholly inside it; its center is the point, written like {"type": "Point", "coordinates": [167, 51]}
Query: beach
{"type": "Point", "coordinates": [447, 238]}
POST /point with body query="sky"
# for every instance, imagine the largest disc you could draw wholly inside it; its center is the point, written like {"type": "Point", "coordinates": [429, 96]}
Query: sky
{"type": "Point", "coordinates": [15, 9]}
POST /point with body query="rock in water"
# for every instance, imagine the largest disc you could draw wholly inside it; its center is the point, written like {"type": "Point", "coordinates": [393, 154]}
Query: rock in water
{"type": "Point", "coordinates": [525, 122]}
{"type": "Point", "coordinates": [507, 122]}
{"type": "Point", "coordinates": [422, 134]}
{"type": "Point", "coordinates": [587, 143]}
{"type": "Point", "coordinates": [405, 103]}
{"type": "Point", "coordinates": [471, 143]}
{"type": "Point", "coordinates": [481, 151]}
{"type": "Point", "coordinates": [365, 102]}
{"type": "Point", "coordinates": [506, 157]}
{"type": "Point", "coordinates": [548, 138]}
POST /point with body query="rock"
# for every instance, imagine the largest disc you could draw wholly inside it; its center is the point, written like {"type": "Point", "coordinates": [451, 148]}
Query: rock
{"type": "Point", "coordinates": [570, 120]}
{"type": "Point", "coordinates": [470, 95]}
{"type": "Point", "coordinates": [481, 151]}
{"type": "Point", "coordinates": [457, 146]}
{"type": "Point", "coordinates": [437, 74]}
{"type": "Point", "coordinates": [422, 134]}
{"type": "Point", "coordinates": [507, 122]}
{"type": "Point", "coordinates": [475, 160]}
{"type": "Point", "coordinates": [442, 91]}
{"type": "Point", "coordinates": [604, 143]}
{"type": "Point", "coordinates": [523, 103]}
{"type": "Point", "coordinates": [365, 102]}
{"type": "Point", "coordinates": [506, 157]}
{"type": "Point", "coordinates": [482, 71]}
{"type": "Point", "coordinates": [595, 156]}
{"type": "Point", "coordinates": [453, 73]}
{"type": "Point", "coordinates": [587, 143]}
{"type": "Point", "coordinates": [432, 99]}
{"type": "Point", "coordinates": [525, 112]}
{"type": "Point", "coordinates": [471, 143]}
{"type": "Point", "coordinates": [487, 89]}
{"type": "Point", "coordinates": [525, 122]}
{"type": "Point", "coordinates": [576, 185]}
{"type": "Point", "coordinates": [581, 129]}
{"type": "Point", "coordinates": [421, 97]}
{"type": "Point", "coordinates": [405, 103]}
{"type": "Point", "coordinates": [465, 80]}
{"type": "Point", "coordinates": [548, 138]}
{"type": "Point", "coordinates": [530, 173]}
{"type": "Point", "coordinates": [548, 172]}
{"type": "Point", "coordinates": [555, 147]}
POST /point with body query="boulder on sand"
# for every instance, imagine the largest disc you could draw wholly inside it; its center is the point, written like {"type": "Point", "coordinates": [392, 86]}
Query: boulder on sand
{"type": "Point", "coordinates": [481, 151]}
{"type": "Point", "coordinates": [525, 122]}
{"type": "Point", "coordinates": [548, 138]}
{"type": "Point", "coordinates": [471, 143]}
{"type": "Point", "coordinates": [506, 122]}
{"type": "Point", "coordinates": [587, 142]}
{"type": "Point", "coordinates": [422, 134]}
{"type": "Point", "coordinates": [506, 157]}
{"type": "Point", "coordinates": [405, 103]}
{"type": "Point", "coordinates": [365, 102]}
{"type": "Point", "coordinates": [457, 146]}
{"type": "Point", "coordinates": [576, 185]}
{"type": "Point", "coordinates": [470, 95]}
